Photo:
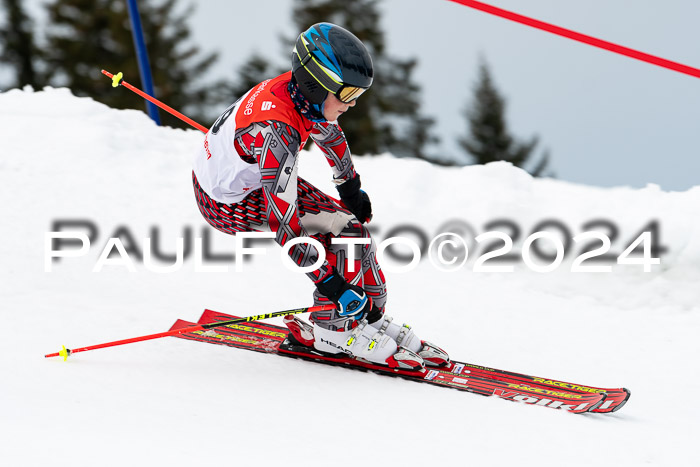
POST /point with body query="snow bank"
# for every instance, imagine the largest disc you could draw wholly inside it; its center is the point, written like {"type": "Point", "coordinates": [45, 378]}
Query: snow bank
{"type": "Point", "coordinates": [67, 159]}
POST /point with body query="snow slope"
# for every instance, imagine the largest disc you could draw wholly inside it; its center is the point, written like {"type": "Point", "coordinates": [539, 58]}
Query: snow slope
{"type": "Point", "coordinates": [183, 403]}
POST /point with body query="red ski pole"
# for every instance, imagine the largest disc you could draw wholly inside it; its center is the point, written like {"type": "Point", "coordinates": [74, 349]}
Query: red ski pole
{"type": "Point", "coordinates": [119, 80]}
{"type": "Point", "coordinates": [65, 353]}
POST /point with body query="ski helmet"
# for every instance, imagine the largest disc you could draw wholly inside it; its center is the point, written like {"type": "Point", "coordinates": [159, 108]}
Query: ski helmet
{"type": "Point", "coordinates": [328, 58]}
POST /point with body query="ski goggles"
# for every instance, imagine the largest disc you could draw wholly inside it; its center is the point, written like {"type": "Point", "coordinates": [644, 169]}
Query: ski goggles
{"type": "Point", "coordinates": [347, 94]}
{"type": "Point", "coordinates": [330, 81]}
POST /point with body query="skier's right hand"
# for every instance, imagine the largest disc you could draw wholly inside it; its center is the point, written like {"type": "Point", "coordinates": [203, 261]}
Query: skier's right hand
{"type": "Point", "coordinates": [349, 299]}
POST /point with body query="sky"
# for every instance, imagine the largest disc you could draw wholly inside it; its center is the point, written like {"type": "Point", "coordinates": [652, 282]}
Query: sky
{"type": "Point", "coordinates": [607, 120]}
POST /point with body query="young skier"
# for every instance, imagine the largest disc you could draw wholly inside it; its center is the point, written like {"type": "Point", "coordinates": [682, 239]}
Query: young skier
{"type": "Point", "coordinates": [245, 179]}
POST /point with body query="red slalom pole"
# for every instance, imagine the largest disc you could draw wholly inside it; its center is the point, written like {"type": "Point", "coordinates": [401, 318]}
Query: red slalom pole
{"type": "Point", "coordinates": [65, 353]}
{"type": "Point", "coordinates": [118, 80]}
{"type": "Point", "coordinates": [569, 34]}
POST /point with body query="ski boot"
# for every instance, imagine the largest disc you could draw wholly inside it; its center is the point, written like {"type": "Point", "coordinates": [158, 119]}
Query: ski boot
{"type": "Point", "coordinates": [368, 344]}
{"type": "Point", "coordinates": [431, 354]}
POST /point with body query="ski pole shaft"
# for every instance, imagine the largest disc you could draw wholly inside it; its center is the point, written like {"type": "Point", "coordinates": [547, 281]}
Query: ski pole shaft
{"type": "Point", "coordinates": [65, 353]}
{"type": "Point", "coordinates": [117, 80]}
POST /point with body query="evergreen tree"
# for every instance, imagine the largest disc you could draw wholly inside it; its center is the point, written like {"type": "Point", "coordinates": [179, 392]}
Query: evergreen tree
{"type": "Point", "coordinates": [386, 118]}
{"type": "Point", "coordinates": [489, 139]}
{"type": "Point", "coordinates": [18, 47]}
{"type": "Point", "coordinates": [255, 70]}
{"type": "Point", "coordinates": [85, 36]}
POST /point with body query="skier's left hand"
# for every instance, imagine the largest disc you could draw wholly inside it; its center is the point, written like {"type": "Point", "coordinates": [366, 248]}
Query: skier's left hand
{"type": "Point", "coordinates": [355, 199]}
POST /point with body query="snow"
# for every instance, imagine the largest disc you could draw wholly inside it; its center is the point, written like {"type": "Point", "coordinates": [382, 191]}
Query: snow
{"type": "Point", "coordinates": [184, 403]}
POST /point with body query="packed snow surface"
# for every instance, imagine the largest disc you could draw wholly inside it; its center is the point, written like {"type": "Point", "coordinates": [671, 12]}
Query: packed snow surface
{"type": "Point", "coordinates": [114, 174]}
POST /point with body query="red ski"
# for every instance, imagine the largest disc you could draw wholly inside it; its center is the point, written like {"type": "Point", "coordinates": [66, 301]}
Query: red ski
{"type": "Point", "coordinates": [261, 337]}
{"type": "Point", "coordinates": [616, 397]}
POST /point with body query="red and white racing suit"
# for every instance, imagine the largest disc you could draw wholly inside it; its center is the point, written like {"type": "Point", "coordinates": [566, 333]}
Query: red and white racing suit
{"type": "Point", "coordinates": [245, 179]}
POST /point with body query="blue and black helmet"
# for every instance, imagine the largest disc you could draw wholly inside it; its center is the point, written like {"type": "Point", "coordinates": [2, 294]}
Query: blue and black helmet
{"type": "Point", "coordinates": [328, 58]}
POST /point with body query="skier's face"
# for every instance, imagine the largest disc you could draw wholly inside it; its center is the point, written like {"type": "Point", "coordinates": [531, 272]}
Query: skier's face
{"type": "Point", "coordinates": [334, 108]}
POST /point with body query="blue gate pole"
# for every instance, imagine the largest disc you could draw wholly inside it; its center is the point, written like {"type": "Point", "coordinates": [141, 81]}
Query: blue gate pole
{"type": "Point", "coordinates": [142, 57]}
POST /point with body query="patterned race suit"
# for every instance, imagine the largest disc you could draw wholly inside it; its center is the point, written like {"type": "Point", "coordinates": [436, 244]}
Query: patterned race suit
{"type": "Point", "coordinates": [245, 179]}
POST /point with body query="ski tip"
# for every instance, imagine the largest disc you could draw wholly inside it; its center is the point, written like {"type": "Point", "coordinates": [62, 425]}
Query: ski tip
{"type": "Point", "coordinates": [595, 406]}
{"type": "Point", "coordinates": [628, 393]}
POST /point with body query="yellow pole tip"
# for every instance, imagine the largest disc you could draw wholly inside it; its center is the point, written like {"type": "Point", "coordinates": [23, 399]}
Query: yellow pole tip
{"type": "Point", "coordinates": [117, 79]}
{"type": "Point", "coordinates": [64, 353]}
